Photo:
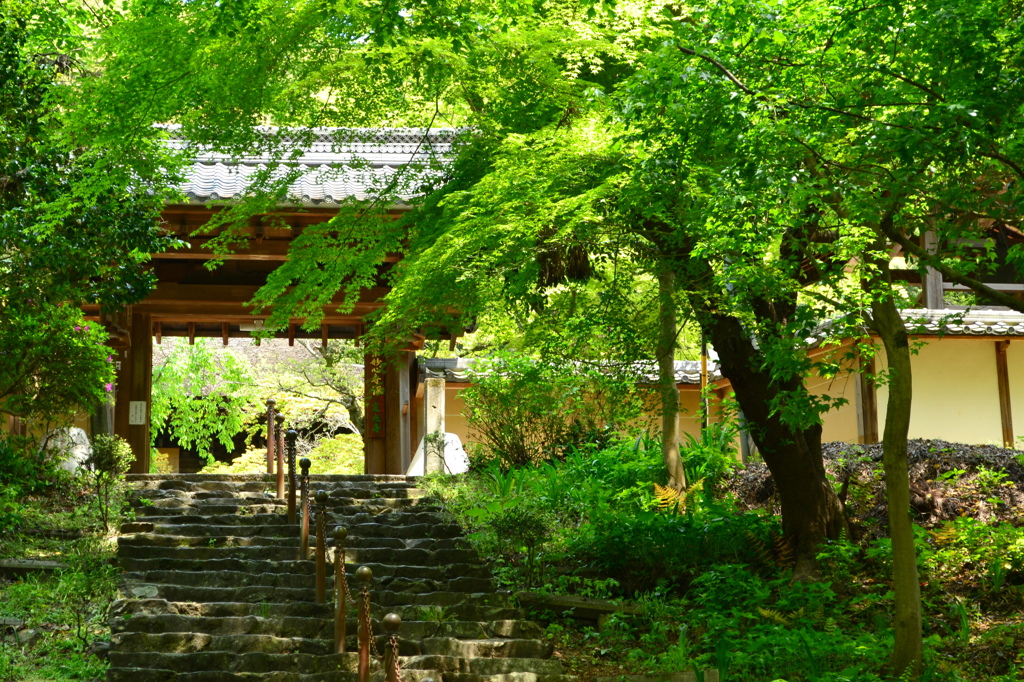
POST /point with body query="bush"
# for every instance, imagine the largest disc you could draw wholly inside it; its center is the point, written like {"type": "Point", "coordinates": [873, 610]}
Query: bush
{"type": "Point", "coordinates": [110, 459]}
{"type": "Point", "coordinates": [525, 412]}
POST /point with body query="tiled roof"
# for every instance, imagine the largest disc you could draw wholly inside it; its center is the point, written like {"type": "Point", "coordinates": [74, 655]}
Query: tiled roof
{"type": "Point", "coordinates": [460, 370]}
{"type": "Point", "coordinates": [974, 322]}
{"type": "Point", "coordinates": [333, 163]}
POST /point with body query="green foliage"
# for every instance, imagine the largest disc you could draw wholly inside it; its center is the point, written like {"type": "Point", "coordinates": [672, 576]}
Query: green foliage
{"type": "Point", "coordinates": [526, 411]}
{"type": "Point", "coordinates": [109, 461]}
{"type": "Point", "coordinates": [199, 396]}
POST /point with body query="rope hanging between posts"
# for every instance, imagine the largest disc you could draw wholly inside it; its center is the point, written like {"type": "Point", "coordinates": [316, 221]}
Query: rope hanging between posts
{"type": "Point", "coordinates": [271, 440]}
{"type": "Point", "coordinates": [304, 512]}
{"type": "Point", "coordinates": [292, 479]}
{"type": "Point", "coordinates": [279, 449]}
{"type": "Point", "coordinates": [341, 591]}
{"type": "Point", "coordinates": [365, 636]}
{"type": "Point", "coordinates": [321, 546]}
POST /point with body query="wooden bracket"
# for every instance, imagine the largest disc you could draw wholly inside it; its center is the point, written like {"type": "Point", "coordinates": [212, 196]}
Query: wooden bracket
{"type": "Point", "coordinates": [291, 335]}
{"type": "Point", "coordinates": [225, 330]}
{"type": "Point", "coordinates": [324, 333]}
{"type": "Point", "coordinates": [158, 331]}
{"type": "Point", "coordinates": [191, 333]}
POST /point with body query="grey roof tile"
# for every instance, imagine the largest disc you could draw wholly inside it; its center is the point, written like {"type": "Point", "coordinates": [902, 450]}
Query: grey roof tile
{"type": "Point", "coordinates": [332, 164]}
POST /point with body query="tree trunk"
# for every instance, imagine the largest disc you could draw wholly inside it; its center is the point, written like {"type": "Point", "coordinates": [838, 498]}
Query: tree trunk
{"type": "Point", "coordinates": [811, 510]}
{"type": "Point", "coordinates": [889, 325]}
{"type": "Point", "coordinates": [667, 380]}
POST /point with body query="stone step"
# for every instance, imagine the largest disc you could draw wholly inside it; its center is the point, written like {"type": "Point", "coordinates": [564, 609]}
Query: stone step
{"type": "Point", "coordinates": [304, 580]}
{"type": "Point", "coordinates": [482, 666]}
{"type": "Point", "coordinates": [231, 662]}
{"type": "Point", "coordinates": [321, 628]}
{"type": "Point", "coordinates": [124, 609]}
{"type": "Point", "coordinates": [486, 648]}
{"type": "Point", "coordinates": [380, 570]}
{"type": "Point", "coordinates": [148, 675]}
{"type": "Point", "coordinates": [264, 588]}
{"type": "Point", "coordinates": [194, 642]}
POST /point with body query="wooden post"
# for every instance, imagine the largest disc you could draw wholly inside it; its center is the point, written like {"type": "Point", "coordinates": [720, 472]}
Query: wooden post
{"type": "Point", "coordinates": [1003, 377]}
{"type": "Point", "coordinates": [292, 480]}
{"type": "Point", "coordinates": [280, 454]}
{"type": "Point", "coordinates": [271, 441]}
{"type": "Point", "coordinates": [304, 521]}
{"type": "Point", "coordinates": [867, 406]}
{"type": "Point", "coordinates": [396, 423]}
{"type": "Point", "coordinates": [364, 575]}
{"type": "Point", "coordinates": [140, 389]}
{"type": "Point", "coordinates": [340, 590]}
{"type": "Point", "coordinates": [321, 546]}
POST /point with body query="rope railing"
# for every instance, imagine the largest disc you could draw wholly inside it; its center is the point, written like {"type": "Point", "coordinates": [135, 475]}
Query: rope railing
{"type": "Point", "coordinates": [279, 449]}
{"type": "Point", "coordinates": [367, 645]}
{"type": "Point", "coordinates": [304, 510]}
{"type": "Point", "coordinates": [271, 441]}
{"type": "Point", "coordinates": [321, 546]}
{"type": "Point", "coordinates": [292, 479]}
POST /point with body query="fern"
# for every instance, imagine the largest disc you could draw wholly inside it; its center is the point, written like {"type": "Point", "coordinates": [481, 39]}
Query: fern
{"type": "Point", "coordinates": [774, 616]}
{"type": "Point", "coordinates": [944, 535]}
{"type": "Point", "coordinates": [670, 498]}
{"type": "Point", "coordinates": [784, 555]}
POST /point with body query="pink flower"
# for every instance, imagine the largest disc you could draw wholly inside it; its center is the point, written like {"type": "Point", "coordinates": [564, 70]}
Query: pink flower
{"type": "Point", "coordinates": [110, 387]}
{"type": "Point", "coordinates": [77, 328]}
{"type": "Point", "coordinates": [86, 327]}
{"type": "Point", "coordinates": [110, 358]}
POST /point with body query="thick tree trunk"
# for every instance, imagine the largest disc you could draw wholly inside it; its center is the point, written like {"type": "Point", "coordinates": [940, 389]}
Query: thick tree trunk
{"type": "Point", "coordinates": [667, 380]}
{"type": "Point", "coordinates": [811, 510]}
{"type": "Point", "coordinates": [907, 622]}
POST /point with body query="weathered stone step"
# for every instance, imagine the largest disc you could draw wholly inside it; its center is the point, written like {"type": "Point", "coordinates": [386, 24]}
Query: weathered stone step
{"type": "Point", "coordinates": [305, 580]}
{"type": "Point", "coordinates": [162, 517]}
{"type": "Point", "coordinates": [486, 648]}
{"type": "Point", "coordinates": [148, 675]}
{"type": "Point", "coordinates": [194, 642]}
{"type": "Point", "coordinates": [319, 628]}
{"type": "Point", "coordinates": [482, 666]}
{"type": "Point", "coordinates": [230, 662]}
{"type": "Point", "coordinates": [257, 593]}
{"type": "Point", "coordinates": [203, 553]}
{"type": "Point", "coordinates": [380, 570]}
{"type": "Point", "coordinates": [495, 615]}
{"type": "Point", "coordinates": [381, 480]}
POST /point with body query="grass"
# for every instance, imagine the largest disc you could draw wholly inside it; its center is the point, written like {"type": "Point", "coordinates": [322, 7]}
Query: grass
{"type": "Point", "coordinates": [64, 614]}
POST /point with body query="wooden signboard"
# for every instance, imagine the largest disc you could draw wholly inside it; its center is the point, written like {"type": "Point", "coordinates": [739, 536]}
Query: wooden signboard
{"type": "Point", "coordinates": [374, 419]}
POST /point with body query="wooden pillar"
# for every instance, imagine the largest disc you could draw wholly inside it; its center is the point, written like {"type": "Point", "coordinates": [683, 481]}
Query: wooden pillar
{"type": "Point", "coordinates": [135, 385]}
{"type": "Point", "coordinates": [1003, 377]}
{"type": "Point", "coordinates": [396, 414]}
{"type": "Point", "coordinates": [867, 403]}
{"type": "Point", "coordinates": [433, 399]}
{"type": "Point", "coordinates": [140, 390]}
{"type": "Point", "coordinates": [374, 432]}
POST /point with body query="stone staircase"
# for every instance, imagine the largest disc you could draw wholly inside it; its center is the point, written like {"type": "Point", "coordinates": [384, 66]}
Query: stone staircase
{"type": "Point", "coordinates": [213, 590]}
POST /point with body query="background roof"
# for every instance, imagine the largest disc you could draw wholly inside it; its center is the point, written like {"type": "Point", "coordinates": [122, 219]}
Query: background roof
{"type": "Point", "coordinates": [332, 163]}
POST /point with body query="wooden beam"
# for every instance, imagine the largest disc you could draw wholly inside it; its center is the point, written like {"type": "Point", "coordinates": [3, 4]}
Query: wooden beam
{"type": "Point", "coordinates": [867, 407]}
{"type": "Point", "coordinates": [291, 335]}
{"type": "Point", "coordinates": [324, 333]}
{"type": "Point", "coordinates": [1003, 377]}
{"type": "Point", "coordinates": [159, 331]}
{"type": "Point", "coordinates": [225, 331]}
{"type": "Point", "coordinates": [191, 333]}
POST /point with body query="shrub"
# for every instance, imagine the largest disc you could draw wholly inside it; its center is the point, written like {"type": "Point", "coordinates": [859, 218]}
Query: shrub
{"type": "Point", "coordinates": [525, 412]}
{"type": "Point", "coordinates": [108, 462]}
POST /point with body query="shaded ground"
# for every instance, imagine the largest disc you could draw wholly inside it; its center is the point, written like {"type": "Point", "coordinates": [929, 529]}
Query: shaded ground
{"type": "Point", "coordinates": [948, 480]}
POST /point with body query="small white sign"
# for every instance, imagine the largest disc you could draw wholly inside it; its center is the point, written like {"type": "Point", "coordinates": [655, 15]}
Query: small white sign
{"type": "Point", "coordinates": [137, 413]}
